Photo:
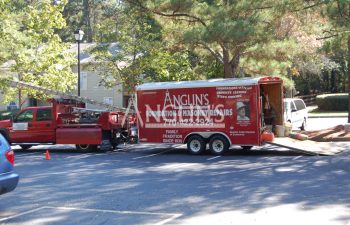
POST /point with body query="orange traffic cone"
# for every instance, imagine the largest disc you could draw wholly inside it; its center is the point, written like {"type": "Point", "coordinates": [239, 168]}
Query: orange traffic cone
{"type": "Point", "coordinates": [47, 155]}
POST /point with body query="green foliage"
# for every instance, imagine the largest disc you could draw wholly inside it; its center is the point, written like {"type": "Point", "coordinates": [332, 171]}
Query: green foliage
{"type": "Point", "coordinates": [334, 102]}
{"type": "Point", "coordinates": [167, 66]}
{"type": "Point", "coordinates": [97, 18]}
{"type": "Point", "coordinates": [263, 37]}
{"type": "Point", "coordinates": [37, 52]}
{"type": "Point", "coordinates": [138, 55]}
{"type": "Point", "coordinates": [324, 70]}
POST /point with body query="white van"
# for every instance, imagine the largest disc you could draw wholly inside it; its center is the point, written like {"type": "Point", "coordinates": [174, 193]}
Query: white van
{"type": "Point", "coordinates": [295, 112]}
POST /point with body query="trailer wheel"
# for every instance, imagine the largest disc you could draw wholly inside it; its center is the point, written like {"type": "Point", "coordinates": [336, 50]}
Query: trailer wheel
{"type": "Point", "coordinates": [218, 145]}
{"type": "Point", "coordinates": [196, 144]}
{"type": "Point", "coordinates": [86, 148]}
{"type": "Point", "coordinates": [26, 147]}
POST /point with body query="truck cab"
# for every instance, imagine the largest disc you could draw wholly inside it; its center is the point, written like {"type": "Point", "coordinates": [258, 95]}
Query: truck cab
{"type": "Point", "coordinates": [30, 125]}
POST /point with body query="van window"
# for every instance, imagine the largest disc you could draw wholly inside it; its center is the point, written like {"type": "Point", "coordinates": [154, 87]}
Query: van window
{"type": "Point", "coordinates": [43, 115]}
{"type": "Point", "coordinates": [299, 104]}
{"type": "Point", "coordinates": [293, 106]}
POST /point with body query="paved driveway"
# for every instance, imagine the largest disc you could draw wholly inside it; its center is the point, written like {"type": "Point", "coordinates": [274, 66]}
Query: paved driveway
{"type": "Point", "coordinates": [153, 185]}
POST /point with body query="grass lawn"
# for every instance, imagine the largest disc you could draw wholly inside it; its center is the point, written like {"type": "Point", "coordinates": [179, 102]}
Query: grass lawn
{"type": "Point", "coordinates": [319, 113]}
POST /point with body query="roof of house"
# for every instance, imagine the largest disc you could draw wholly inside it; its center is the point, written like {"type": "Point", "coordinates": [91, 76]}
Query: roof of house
{"type": "Point", "coordinates": [85, 56]}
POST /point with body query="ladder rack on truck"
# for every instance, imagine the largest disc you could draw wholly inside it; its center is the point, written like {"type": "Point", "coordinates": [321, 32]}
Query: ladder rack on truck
{"type": "Point", "coordinates": [21, 84]}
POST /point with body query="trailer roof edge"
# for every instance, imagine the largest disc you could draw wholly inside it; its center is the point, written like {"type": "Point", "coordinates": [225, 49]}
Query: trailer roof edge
{"type": "Point", "coordinates": [206, 83]}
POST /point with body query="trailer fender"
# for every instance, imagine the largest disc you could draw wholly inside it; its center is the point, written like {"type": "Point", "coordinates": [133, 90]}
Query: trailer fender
{"type": "Point", "coordinates": [5, 133]}
{"type": "Point", "coordinates": [206, 135]}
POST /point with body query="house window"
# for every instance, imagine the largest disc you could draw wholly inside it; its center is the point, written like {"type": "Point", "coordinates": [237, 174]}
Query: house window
{"type": "Point", "coordinates": [83, 81]}
{"type": "Point", "coordinates": [108, 100]}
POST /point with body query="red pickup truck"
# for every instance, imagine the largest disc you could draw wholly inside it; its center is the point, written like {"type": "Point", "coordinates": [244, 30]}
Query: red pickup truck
{"type": "Point", "coordinates": [66, 121]}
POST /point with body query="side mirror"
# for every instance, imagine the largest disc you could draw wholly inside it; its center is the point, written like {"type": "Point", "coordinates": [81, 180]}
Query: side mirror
{"type": "Point", "coordinates": [294, 110]}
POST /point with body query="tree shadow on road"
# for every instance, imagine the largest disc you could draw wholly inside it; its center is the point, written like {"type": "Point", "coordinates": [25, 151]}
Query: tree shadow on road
{"type": "Point", "coordinates": [173, 181]}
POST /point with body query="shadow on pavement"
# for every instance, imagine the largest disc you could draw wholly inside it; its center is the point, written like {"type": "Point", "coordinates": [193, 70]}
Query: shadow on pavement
{"type": "Point", "coordinates": [148, 179]}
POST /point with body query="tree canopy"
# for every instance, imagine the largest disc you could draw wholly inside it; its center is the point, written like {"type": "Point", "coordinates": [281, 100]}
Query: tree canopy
{"type": "Point", "coordinates": [30, 42]}
{"type": "Point", "coordinates": [160, 40]}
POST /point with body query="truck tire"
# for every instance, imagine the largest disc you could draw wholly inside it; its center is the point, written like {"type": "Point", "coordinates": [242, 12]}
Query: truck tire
{"type": "Point", "coordinates": [218, 144]}
{"type": "Point", "coordinates": [196, 144]}
{"type": "Point", "coordinates": [26, 147]}
{"type": "Point", "coordinates": [86, 148]}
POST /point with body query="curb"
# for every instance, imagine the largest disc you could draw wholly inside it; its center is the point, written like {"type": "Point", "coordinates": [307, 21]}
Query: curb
{"type": "Point", "coordinates": [317, 116]}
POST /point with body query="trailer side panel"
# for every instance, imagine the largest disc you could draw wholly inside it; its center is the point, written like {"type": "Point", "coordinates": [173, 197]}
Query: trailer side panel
{"type": "Point", "coordinates": [170, 115]}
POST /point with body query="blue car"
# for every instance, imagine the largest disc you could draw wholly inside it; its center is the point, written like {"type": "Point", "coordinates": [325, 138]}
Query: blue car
{"type": "Point", "coordinates": [8, 179]}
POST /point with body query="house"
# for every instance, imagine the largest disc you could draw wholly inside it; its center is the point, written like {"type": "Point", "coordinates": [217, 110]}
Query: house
{"type": "Point", "coordinates": [89, 83]}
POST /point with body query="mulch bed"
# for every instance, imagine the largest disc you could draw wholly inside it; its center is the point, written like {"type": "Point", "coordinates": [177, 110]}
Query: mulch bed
{"type": "Point", "coordinates": [336, 133]}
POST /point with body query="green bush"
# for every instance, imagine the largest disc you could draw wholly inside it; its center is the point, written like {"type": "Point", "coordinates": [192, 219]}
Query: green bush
{"type": "Point", "coordinates": [332, 102]}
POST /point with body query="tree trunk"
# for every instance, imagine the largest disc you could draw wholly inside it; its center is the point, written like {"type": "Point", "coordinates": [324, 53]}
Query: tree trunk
{"type": "Point", "coordinates": [87, 19]}
{"type": "Point", "coordinates": [230, 65]}
{"type": "Point", "coordinates": [349, 79]}
{"type": "Point", "coordinates": [227, 67]}
{"type": "Point", "coordinates": [234, 63]}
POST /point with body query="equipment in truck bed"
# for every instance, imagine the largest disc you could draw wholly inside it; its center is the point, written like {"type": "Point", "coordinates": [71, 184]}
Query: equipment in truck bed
{"type": "Point", "coordinates": [64, 96]}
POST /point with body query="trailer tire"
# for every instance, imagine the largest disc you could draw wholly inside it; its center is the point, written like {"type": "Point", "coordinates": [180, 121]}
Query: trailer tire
{"type": "Point", "coordinates": [196, 144]}
{"type": "Point", "coordinates": [86, 147]}
{"type": "Point", "coordinates": [218, 144]}
{"type": "Point", "coordinates": [26, 147]}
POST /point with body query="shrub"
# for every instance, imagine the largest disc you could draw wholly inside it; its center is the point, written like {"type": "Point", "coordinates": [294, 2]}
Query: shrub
{"type": "Point", "coordinates": [332, 102]}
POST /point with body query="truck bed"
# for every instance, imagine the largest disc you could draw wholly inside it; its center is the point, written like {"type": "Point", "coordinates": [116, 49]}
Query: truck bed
{"type": "Point", "coordinates": [79, 134]}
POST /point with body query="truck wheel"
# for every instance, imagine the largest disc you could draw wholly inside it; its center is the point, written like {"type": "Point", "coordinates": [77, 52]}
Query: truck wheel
{"type": "Point", "coordinates": [86, 148]}
{"type": "Point", "coordinates": [26, 147]}
{"type": "Point", "coordinates": [218, 145]}
{"type": "Point", "coordinates": [196, 144]}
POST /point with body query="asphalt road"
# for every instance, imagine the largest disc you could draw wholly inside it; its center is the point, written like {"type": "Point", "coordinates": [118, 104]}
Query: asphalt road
{"type": "Point", "coordinates": [153, 184]}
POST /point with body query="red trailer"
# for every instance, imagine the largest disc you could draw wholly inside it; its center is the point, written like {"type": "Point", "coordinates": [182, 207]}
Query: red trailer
{"type": "Point", "coordinates": [220, 112]}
